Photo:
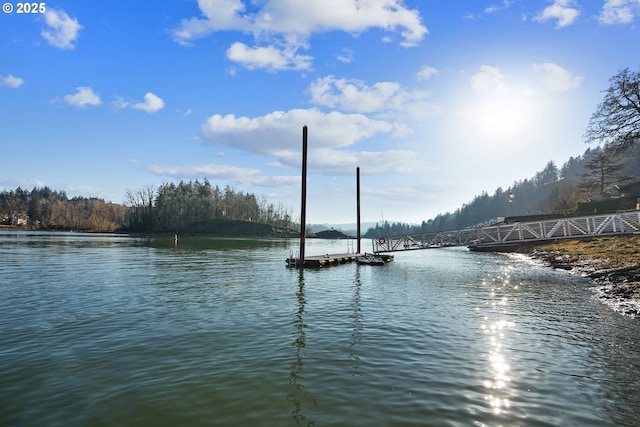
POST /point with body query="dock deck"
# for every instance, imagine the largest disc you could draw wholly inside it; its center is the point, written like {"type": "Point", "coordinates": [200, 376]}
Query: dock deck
{"type": "Point", "coordinates": [320, 261]}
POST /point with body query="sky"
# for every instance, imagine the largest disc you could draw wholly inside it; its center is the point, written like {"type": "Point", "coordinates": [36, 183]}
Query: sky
{"type": "Point", "coordinates": [435, 100]}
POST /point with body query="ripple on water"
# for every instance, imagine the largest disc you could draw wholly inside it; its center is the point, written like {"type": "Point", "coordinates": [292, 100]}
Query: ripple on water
{"type": "Point", "coordinates": [137, 332]}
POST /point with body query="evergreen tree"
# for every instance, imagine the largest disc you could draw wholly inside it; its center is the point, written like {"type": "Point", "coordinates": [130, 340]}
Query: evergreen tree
{"type": "Point", "coordinates": [602, 171]}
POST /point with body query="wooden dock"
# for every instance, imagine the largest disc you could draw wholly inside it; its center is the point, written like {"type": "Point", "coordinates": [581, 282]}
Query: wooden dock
{"type": "Point", "coordinates": [320, 261]}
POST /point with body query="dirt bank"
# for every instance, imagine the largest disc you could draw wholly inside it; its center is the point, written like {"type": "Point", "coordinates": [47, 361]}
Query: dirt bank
{"type": "Point", "coordinates": [613, 262]}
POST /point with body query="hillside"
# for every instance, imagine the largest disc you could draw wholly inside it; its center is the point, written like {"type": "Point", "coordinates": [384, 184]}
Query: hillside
{"type": "Point", "coordinates": [597, 181]}
{"type": "Point", "coordinates": [330, 234]}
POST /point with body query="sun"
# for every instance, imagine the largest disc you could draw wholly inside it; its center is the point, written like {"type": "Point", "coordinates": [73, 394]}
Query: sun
{"type": "Point", "coordinates": [502, 115]}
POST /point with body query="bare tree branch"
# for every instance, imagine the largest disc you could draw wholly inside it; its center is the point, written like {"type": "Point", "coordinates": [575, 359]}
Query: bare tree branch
{"type": "Point", "coordinates": [616, 122]}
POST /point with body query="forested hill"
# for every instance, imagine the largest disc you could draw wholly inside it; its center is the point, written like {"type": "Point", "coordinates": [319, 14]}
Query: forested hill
{"type": "Point", "coordinates": [191, 207]}
{"type": "Point", "coordinates": [598, 180]}
{"type": "Point", "coordinates": [195, 206]}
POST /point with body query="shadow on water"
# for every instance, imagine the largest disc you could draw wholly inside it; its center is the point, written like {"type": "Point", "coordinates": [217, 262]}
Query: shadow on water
{"type": "Point", "coordinates": [300, 396]}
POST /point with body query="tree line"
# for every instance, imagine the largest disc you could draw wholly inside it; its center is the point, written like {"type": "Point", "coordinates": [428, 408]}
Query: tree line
{"type": "Point", "coordinates": [51, 209]}
{"type": "Point", "coordinates": [579, 185]}
{"type": "Point", "coordinates": [185, 205]}
{"type": "Point", "coordinates": [170, 207]}
{"type": "Point", "coordinates": [600, 178]}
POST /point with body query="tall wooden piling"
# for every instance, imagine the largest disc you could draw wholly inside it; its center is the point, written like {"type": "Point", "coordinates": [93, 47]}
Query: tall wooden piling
{"type": "Point", "coordinates": [358, 205]}
{"type": "Point", "coordinates": [303, 208]}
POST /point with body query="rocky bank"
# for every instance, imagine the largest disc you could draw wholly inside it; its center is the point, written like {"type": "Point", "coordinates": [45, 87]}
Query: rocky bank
{"type": "Point", "coordinates": [612, 262]}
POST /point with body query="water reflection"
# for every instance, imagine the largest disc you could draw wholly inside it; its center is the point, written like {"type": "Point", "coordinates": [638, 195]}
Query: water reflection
{"type": "Point", "coordinates": [356, 320]}
{"type": "Point", "coordinates": [300, 395]}
{"type": "Point", "coordinates": [495, 325]}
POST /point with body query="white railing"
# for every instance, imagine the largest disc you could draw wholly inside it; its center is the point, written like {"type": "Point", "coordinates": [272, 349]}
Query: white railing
{"type": "Point", "coordinates": [517, 232]}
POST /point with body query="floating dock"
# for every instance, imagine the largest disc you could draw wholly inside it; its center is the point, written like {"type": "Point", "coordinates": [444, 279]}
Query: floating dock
{"type": "Point", "coordinates": [320, 261]}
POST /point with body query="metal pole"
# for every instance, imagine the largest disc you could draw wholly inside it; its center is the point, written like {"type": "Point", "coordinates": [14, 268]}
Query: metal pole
{"type": "Point", "coordinates": [358, 204]}
{"type": "Point", "coordinates": [303, 208]}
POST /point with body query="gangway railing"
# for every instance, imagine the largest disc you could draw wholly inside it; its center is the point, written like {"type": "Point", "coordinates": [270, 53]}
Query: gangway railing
{"type": "Point", "coordinates": [517, 232]}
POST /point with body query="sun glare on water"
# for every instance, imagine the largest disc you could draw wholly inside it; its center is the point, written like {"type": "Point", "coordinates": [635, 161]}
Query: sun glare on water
{"type": "Point", "coordinates": [495, 326]}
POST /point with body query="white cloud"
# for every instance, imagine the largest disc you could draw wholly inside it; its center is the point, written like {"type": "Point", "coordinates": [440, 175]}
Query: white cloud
{"type": "Point", "coordinates": [280, 131]}
{"type": "Point", "coordinates": [275, 181]}
{"type": "Point", "coordinates": [388, 100]}
{"type": "Point", "coordinates": [496, 8]}
{"type": "Point", "coordinates": [13, 183]}
{"type": "Point", "coordinates": [488, 79]}
{"type": "Point", "coordinates": [61, 31]}
{"type": "Point", "coordinates": [151, 104]}
{"type": "Point", "coordinates": [83, 97]}
{"type": "Point", "coordinates": [236, 175]}
{"type": "Point", "coordinates": [619, 11]}
{"type": "Point", "coordinates": [331, 135]}
{"type": "Point", "coordinates": [211, 171]}
{"type": "Point", "coordinates": [11, 81]}
{"type": "Point", "coordinates": [269, 57]}
{"type": "Point", "coordinates": [120, 103]}
{"type": "Point", "coordinates": [282, 27]}
{"type": "Point", "coordinates": [555, 77]}
{"type": "Point", "coordinates": [341, 162]}
{"type": "Point", "coordinates": [564, 11]}
{"type": "Point", "coordinates": [427, 72]}
{"type": "Point", "coordinates": [219, 15]}
{"type": "Point", "coordinates": [353, 95]}
{"type": "Point", "coordinates": [346, 55]}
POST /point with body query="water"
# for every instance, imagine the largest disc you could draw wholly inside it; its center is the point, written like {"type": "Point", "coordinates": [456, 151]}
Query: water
{"type": "Point", "coordinates": [105, 330]}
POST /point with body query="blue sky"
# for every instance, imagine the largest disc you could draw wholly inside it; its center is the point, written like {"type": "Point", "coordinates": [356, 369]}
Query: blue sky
{"type": "Point", "coordinates": [436, 101]}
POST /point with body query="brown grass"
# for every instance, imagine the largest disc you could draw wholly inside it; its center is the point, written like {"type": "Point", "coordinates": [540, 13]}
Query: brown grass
{"type": "Point", "coordinates": [605, 252]}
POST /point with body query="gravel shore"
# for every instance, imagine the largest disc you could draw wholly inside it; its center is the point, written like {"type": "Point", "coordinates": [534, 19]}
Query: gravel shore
{"type": "Point", "coordinates": [612, 262]}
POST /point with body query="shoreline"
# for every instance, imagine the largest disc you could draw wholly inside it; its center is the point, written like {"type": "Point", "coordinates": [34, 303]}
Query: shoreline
{"type": "Point", "coordinates": [613, 263]}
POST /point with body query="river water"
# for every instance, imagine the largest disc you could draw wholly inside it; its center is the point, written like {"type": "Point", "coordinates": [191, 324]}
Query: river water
{"type": "Point", "coordinates": [107, 330]}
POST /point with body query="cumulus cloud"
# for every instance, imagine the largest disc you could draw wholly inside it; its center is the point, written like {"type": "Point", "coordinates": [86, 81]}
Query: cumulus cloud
{"type": "Point", "coordinates": [282, 27]}
{"type": "Point", "coordinates": [84, 96]}
{"type": "Point", "coordinates": [278, 135]}
{"type": "Point", "coordinates": [61, 31]}
{"type": "Point", "coordinates": [388, 100]}
{"type": "Point", "coordinates": [11, 81]}
{"type": "Point", "coordinates": [619, 11]}
{"type": "Point", "coordinates": [563, 11]}
{"type": "Point", "coordinates": [488, 79]}
{"type": "Point", "coordinates": [353, 95]}
{"type": "Point", "coordinates": [279, 131]}
{"type": "Point", "coordinates": [151, 104]}
{"type": "Point", "coordinates": [555, 77]}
